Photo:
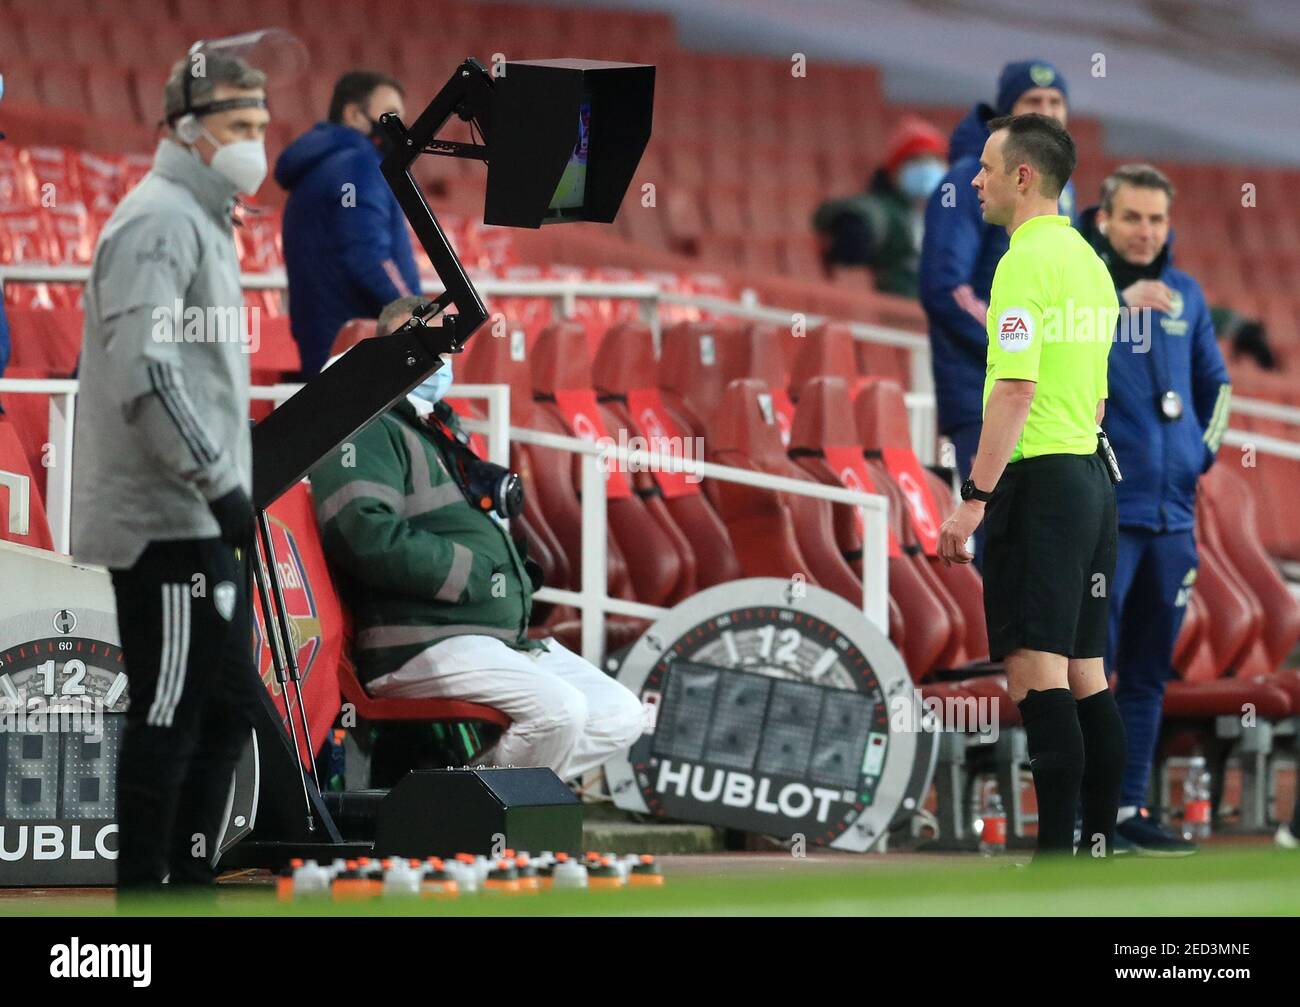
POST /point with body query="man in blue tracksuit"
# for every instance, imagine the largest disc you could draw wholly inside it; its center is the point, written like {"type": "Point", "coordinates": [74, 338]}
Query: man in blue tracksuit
{"type": "Point", "coordinates": [346, 249]}
{"type": "Point", "coordinates": [1165, 417]}
{"type": "Point", "coordinates": [960, 252]}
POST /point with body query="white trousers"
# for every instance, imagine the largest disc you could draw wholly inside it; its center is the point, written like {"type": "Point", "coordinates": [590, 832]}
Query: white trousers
{"type": "Point", "coordinates": [566, 713]}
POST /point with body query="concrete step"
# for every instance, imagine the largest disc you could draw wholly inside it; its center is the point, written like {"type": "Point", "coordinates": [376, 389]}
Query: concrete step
{"type": "Point", "coordinates": [608, 836]}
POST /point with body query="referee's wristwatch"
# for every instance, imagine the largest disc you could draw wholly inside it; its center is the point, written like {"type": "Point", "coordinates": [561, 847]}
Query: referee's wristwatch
{"type": "Point", "coordinates": [969, 492]}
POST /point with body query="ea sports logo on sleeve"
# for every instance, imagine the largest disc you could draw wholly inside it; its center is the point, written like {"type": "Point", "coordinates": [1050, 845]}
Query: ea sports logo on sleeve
{"type": "Point", "coordinates": [1015, 330]}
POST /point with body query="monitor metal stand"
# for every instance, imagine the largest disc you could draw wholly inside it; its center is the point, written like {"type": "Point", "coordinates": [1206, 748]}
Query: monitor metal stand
{"type": "Point", "coordinates": [365, 382]}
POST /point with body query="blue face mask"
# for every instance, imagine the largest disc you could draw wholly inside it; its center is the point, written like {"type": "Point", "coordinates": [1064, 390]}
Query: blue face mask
{"type": "Point", "coordinates": [435, 386]}
{"type": "Point", "coordinates": [920, 177]}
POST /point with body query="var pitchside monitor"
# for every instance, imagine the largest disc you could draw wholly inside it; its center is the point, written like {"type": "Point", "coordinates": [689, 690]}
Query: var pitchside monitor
{"type": "Point", "coordinates": [566, 136]}
{"type": "Point", "coordinates": [571, 193]}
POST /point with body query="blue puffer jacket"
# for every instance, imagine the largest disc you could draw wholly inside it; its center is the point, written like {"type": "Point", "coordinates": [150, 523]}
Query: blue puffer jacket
{"type": "Point", "coordinates": [959, 254]}
{"type": "Point", "coordinates": [346, 250]}
{"type": "Point", "coordinates": [1161, 460]}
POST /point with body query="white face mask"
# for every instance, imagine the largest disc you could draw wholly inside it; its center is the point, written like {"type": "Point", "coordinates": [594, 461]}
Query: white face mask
{"type": "Point", "coordinates": [242, 163]}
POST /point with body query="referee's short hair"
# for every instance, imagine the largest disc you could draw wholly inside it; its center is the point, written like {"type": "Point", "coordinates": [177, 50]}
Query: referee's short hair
{"type": "Point", "coordinates": [1041, 141]}
{"type": "Point", "coordinates": [1141, 176]}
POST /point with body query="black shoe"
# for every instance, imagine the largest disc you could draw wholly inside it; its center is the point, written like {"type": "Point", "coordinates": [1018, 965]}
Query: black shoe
{"type": "Point", "coordinates": [1151, 839]}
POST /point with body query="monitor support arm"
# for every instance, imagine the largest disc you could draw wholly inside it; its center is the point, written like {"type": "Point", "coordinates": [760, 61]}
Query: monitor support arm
{"type": "Point", "coordinates": [376, 373]}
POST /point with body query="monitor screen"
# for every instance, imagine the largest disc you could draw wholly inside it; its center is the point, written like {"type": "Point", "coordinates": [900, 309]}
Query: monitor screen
{"type": "Point", "coordinates": [571, 193]}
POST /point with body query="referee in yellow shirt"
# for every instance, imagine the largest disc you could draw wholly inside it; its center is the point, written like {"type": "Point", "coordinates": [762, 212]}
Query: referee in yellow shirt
{"type": "Point", "coordinates": [1043, 473]}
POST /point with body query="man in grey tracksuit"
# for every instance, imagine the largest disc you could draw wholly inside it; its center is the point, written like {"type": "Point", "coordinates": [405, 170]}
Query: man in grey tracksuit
{"type": "Point", "coordinates": [162, 472]}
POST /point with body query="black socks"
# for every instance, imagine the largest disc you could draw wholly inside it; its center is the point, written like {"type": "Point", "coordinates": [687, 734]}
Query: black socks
{"type": "Point", "coordinates": [1105, 751]}
{"type": "Point", "coordinates": [1055, 743]}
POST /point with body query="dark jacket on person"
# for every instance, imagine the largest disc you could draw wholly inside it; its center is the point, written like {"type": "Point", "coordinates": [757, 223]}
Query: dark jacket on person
{"type": "Point", "coordinates": [959, 254]}
{"type": "Point", "coordinates": [1161, 459]}
{"type": "Point", "coordinates": [415, 561]}
{"type": "Point", "coordinates": [346, 249]}
{"type": "Point", "coordinates": [878, 229]}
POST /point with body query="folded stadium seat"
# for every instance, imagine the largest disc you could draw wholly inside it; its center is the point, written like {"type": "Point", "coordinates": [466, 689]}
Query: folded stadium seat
{"type": "Point", "coordinates": [1191, 650]}
{"type": "Point", "coordinates": [621, 373]}
{"type": "Point", "coordinates": [690, 372]}
{"type": "Point", "coordinates": [1226, 512]}
{"type": "Point", "coordinates": [147, 83]}
{"type": "Point", "coordinates": [78, 39]}
{"type": "Point", "coordinates": [62, 85]}
{"type": "Point", "coordinates": [659, 560]}
{"type": "Point", "coordinates": [760, 353]}
{"type": "Point", "coordinates": [274, 352]}
{"type": "Point", "coordinates": [725, 209]}
{"type": "Point", "coordinates": [881, 360]}
{"type": "Point", "coordinates": [487, 360]}
{"type": "Point", "coordinates": [1208, 687]}
{"type": "Point", "coordinates": [109, 91]}
{"type": "Point", "coordinates": [801, 257]}
{"type": "Point", "coordinates": [1275, 480]}
{"type": "Point", "coordinates": [35, 531]}
{"type": "Point", "coordinates": [824, 443]}
{"type": "Point", "coordinates": [46, 341]}
{"type": "Point", "coordinates": [883, 431]}
{"type": "Point", "coordinates": [30, 415]}
{"type": "Point", "coordinates": [826, 349]}
{"type": "Point", "coordinates": [258, 241]}
{"type": "Point", "coordinates": [57, 165]}
{"type": "Point", "coordinates": [20, 83]}
{"type": "Point", "coordinates": [761, 255]}
{"type": "Point", "coordinates": [101, 182]}
{"type": "Point", "coordinates": [777, 534]}
{"type": "Point", "coordinates": [683, 218]}
{"type": "Point", "coordinates": [18, 187]}
{"type": "Point", "coordinates": [503, 361]}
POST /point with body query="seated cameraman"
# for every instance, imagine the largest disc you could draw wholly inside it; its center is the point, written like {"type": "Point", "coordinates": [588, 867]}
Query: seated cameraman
{"type": "Point", "coordinates": [440, 594]}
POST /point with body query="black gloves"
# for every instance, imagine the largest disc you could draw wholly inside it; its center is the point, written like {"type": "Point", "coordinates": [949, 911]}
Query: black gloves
{"type": "Point", "coordinates": [534, 570]}
{"type": "Point", "coordinates": [234, 514]}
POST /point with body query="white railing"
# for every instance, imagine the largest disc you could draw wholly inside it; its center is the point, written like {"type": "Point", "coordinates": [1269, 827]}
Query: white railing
{"type": "Point", "coordinates": [564, 295]}
{"type": "Point", "coordinates": [592, 600]}
{"type": "Point", "coordinates": [58, 470]}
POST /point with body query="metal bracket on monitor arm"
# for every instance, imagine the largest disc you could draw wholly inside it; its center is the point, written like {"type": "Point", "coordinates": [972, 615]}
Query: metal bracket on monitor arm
{"type": "Point", "coordinates": [376, 373]}
{"type": "Point", "coordinates": [466, 94]}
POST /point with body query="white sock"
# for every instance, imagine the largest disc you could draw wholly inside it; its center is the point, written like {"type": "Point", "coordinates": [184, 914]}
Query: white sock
{"type": "Point", "coordinates": [1125, 813]}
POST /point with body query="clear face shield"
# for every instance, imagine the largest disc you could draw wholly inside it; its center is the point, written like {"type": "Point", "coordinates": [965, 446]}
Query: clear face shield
{"type": "Point", "coordinates": [279, 54]}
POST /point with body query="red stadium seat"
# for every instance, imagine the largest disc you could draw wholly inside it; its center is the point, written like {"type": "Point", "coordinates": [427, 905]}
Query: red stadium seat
{"type": "Point", "coordinates": [691, 375]}
{"type": "Point", "coordinates": [775, 534]}
{"type": "Point", "coordinates": [661, 567]}
{"type": "Point", "coordinates": [825, 444]}
{"type": "Point", "coordinates": [883, 431]}
{"type": "Point", "coordinates": [374, 710]}
{"type": "Point", "coordinates": [826, 349]}
{"type": "Point", "coordinates": [759, 352]}
{"type": "Point", "coordinates": [29, 414]}
{"type": "Point", "coordinates": [46, 341]}
{"type": "Point", "coordinates": [14, 464]}
{"type": "Point", "coordinates": [506, 361]}
{"type": "Point", "coordinates": [1207, 687]}
{"type": "Point", "coordinates": [625, 361]}
{"type": "Point", "coordinates": [63, 85]}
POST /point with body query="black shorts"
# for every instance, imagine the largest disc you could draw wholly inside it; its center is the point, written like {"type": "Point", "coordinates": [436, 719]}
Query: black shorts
{"type": "Point", "coordinates": [1049, 558]}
